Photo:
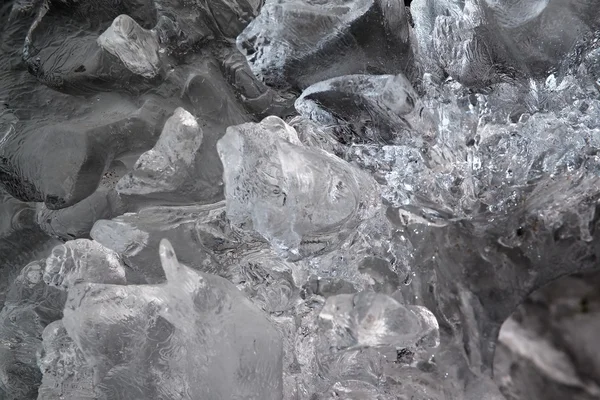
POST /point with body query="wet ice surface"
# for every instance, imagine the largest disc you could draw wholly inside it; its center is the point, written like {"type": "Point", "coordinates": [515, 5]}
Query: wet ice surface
{"type": "Point", "coordinates": [300, 199]}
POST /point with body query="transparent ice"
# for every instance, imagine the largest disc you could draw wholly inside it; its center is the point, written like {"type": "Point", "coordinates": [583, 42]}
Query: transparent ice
{"type": "Point", "coordinates": [299, 199]}
{"type": "Point", "coordinates": [195, 336]}
{"type": "Point", "coordinates": [304, 201]}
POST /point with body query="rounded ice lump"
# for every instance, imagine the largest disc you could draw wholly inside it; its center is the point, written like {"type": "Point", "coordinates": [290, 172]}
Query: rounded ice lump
{"type": "Point", "coordinates": [303, 200]}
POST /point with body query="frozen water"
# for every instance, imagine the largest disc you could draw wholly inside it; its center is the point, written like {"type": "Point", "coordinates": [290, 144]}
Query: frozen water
{"type": "Point", "coordinates": [301, 42]}
{"type": "Point", "coordinates": [370, 319]}
{"type": "Point", "coordinates": [83, 260]}
{"type": "Point", "coordinates": [269, 281]}
{"type": "Point", "coordinates": [78, 154]}
{"type": "Point", "coordinates": [70, 53]}
{"type": "Point", "coordinates": [17, 222]}
{"type": "Point", "coordinates": [65, 373]}
{"type": "Point", "coordinates": [359, 193]}
{"type": "Point", "coordinates": [136, 47]}
{"type": "Point", "coordinates": [195, 336]}
{"type": "Point", "coordinates": [489, 41]}
{"type": "Point", "coordinates": [303, 200]}
{"type": "Point", "coordinates": [136, 236]}
{"type": "Point", "coordinates": [187, 25]}
{"type": "Point", "coordinates": [545, 350]}
{"type": "Point", "coordinates": [258, 98]}
{"type": "Point", "coordinates": [367, 108]}
{"type": "Point", "coordinates": [29, 307]}
{"type": "Point", "coordinates": [171, 165]}
{"type": "Point", "coordinates": [77, 221]}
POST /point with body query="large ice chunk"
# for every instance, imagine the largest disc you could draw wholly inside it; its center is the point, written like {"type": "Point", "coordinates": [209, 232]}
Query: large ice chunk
{"type": "Point", "coordinates": [194, 337]}
{"type": "Point", "coordinates": [480, 42]}
{"type": "Point", "coordinates": [301, 42]}
{"type": "Point", "coordinates": [303, 200]}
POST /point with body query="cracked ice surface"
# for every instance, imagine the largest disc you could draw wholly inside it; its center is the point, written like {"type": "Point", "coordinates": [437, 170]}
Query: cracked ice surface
{"type": "Point", "coordinates": [299, 199]}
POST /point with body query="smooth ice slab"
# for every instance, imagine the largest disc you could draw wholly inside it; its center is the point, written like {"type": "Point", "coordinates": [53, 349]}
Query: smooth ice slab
{"type": "Point", "coordinates": [62, 163]}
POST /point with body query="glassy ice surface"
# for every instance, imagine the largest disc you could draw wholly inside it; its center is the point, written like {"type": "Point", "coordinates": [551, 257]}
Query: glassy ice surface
{"type": "Point", "coordinates": [361, 195]}
{"type": "Point", "coordinates": [368, 108]}
{"type": "Point", "coordinates": [304, 201]}
{"type": "Point", "coordinates": [195, 336]}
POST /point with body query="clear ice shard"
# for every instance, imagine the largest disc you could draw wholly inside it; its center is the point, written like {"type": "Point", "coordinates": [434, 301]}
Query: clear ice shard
{"type": "Point", "coordinates": [303, 200]}
{"type": "Point", "coordinates": [170, 167]}
{"type": "Point", "coordinates": [195, 336]}
{"type": "Point", "coordinates": [369, 319]}
{"type": "Point", "coordinates": [30, 306]}
{"type": "Point", "coordinates": [368, 108]}
{"type": "Point", "coordinates": [83, 260]}
{"type": "Point", "coordinates": [300, 42]}
{"type": "Point", "coordinates": [136, 47]}
{"type": "Point", "coordinates": [66, 375]}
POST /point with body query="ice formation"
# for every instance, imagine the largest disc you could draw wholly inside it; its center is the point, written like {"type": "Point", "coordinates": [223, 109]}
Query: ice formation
{"type": "Point", "coordinates": [359, 193]}
{"type": "Point", "coordinates": [195, 336]}
{"type": "Point", "coordinates": [304, 201]}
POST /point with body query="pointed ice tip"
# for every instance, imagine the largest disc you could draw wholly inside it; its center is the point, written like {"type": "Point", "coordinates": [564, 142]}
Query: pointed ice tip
{"type": "Point", "coordinates": [168, 259]}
